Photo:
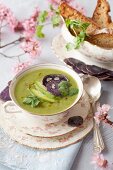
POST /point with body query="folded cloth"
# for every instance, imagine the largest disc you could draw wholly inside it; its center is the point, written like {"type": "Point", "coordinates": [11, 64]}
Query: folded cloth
{"type": "Point", "coordinates": [18, 157]}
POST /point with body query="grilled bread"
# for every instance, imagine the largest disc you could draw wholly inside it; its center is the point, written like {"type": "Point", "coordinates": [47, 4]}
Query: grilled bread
{"type": "Point", "coordinates": [101, 13]}
{"type": "Point", "coordinates": [100, 19]}
{"type": "Point", "coordinates": [103, 40]}
{"type": "Point", "coordinates": [67, 11]}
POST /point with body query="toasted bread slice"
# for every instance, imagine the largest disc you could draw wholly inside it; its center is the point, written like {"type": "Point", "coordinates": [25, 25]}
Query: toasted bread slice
{"type": "Point", "coordinates": [110, 27]}
{"type": "Point", "coordinates": [68, 12]}
{"type": "Point", "coordinates": [103, 40]}
{"type": "Point", "coordinates": [101, 14]}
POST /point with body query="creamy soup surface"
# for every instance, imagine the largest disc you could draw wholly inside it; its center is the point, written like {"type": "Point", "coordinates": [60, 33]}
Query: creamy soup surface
{"type": "Point", "coordinates": [45, 108]}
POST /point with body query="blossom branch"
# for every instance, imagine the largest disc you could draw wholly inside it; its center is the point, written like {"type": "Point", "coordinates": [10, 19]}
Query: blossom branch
{"type": "Point", "coordinates": [11, 57]}
{"type": "Point", "coordinates": [105, 119]}
{"type": "Point", "coordinates": [13, 42]}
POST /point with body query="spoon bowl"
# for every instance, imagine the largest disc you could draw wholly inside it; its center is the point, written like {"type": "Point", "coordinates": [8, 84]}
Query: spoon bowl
{"type": "Point", "coordinates": [92, 86]}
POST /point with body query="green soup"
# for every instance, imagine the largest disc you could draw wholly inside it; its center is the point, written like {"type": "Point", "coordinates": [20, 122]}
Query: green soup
{"type": "Point", "coordinates": [45, 108]}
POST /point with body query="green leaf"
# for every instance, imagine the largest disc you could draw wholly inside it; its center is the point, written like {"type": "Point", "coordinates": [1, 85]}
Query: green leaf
{"type": "Point", "coordinates": [31, 100]}
{"type": "Point", "coordinates": [79, 39]}
{"type": "Point", "coordinates": [68, 22]}
{"type": "Point", "coordinates": [64, 88]}
{"type": "Point", "coordinates": [77, 42]}
{"type": "Point", "coordinates": [27, 100]}
{"type": "Point", "coordinates": [73, 91]}
{"type": "Point", "coordinates": [85, 25]}
{"type": "Point", "coordinates": [82, 34]}
{"type": "Point", "coordinates": [35, 102]}
{"type": "Point", "coordinates": [39, 32]}
{"type": "Point", "coordinates": [78, 27]}
{"type": "Point", "coordinates": [58, 12]}
{"type": "Point", "coordinates": [75, 24]}
{"type": "Point", "coordinates": [43, 16]}
{"type": "Point", "coordinates": [70, 46]}
{"type": "Point", "coordinates": [55, 20]}
{"type": "Point", "coordinates": [51, 7]}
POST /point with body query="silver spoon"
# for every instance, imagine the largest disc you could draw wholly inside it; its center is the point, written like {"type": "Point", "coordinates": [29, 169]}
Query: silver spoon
{"type": "Point", "coordinates": [92, 86]}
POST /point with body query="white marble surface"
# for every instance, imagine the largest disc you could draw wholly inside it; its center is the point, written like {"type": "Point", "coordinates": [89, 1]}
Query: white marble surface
{"type": "Point", "coordinates": [84, 156]}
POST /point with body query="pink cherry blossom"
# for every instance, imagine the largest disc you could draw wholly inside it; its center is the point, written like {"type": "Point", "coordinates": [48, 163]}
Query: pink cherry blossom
{"type": "Point", "coordinates": [35, 14]}
{"type": "Point", "coordinates": [32, 47]}
{"type": "Point", "coordinates": [19, 27]}
{"type": "Point", "coordinates": [20, 66]}
{"type": "Point", "coordinates": [104, 109]}
{"type": "Point", "coordinates": [11, 20]}
{"type": "Point", "coordinates": [3, 12]}
{"type": "Point", "coordinates": [97, 119]}
{"type": "Point", "coordinates": [99, 161]}
{"type": "Point", "coordinates": [29, 25]}
{"type": "Point", "coordinates": [7, 14]}
{"type": "Point", "coordinates": [50, 14]}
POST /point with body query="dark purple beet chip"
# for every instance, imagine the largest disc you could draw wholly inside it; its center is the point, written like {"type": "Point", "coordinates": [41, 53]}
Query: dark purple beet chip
{"type": "Point", "coordinates": [9, 83]}
{"type": "Point", "coordinates": [109, 79]}
{"type": "Point", "coordinates": [102, 76]}
{"type": "Point", "coordinates": [80, 65]}
{"type": "Point", "coordinates": [110, 73]}
{"type": "Point", "coordinates": [52, 87]}
{"type": "Point", "coordinates": [75, 121]}
{"type": "Point", "coordinates": [76, 70]}
{"type": "Point", "coordinates": [71, 61]}
{"type": "Point", "coordinates": [56, 77]}
{"type": "Point", "coordinates": [4, 95]}
{"type": "Point", "coordinates": [95, 70]}
{"type": "Point", "coordinates": [83, 69]}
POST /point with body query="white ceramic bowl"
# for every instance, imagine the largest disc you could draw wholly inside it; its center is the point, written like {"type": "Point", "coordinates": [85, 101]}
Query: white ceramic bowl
{"type": "Point", "coordinates": [42, 119]}
{"type": "Point", "coordinates": [92, 51]}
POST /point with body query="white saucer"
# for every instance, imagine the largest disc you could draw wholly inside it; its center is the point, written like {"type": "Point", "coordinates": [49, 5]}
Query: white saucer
{"type": "Point", "coordinates": [52, 143]}
{"type": "Point", "coordinates": [82, 108]}
{"type": "Point", "coordinates": [58, 46]}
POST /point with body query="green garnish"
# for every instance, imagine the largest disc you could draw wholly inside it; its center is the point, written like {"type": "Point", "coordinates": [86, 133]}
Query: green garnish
{"type": "Point", "coordinates": [73, 91]}
{"type": "Point", "coordinates": [43, 16]}
{"type": "Point", "coordinates": [66, 90]}
{"type": "Point", "coordinates": [76, 26]}
{"type": "Point", "coordinates": [31, 100]}
{"type": "Point", "coordinates": [56, 20]}
{"type": "Point", "coordinates": [51, 7]}
{"type": "Point", "coordinates": [41, 19]}
{"type": "Point", "coordinates": [70, 46]}
{"type": "Point", "coordinates": [39, 32]}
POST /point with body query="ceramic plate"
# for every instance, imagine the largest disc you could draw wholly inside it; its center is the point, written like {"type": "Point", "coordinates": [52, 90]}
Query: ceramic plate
{"type": "Point", "coordinates": [58, 46]}
{"type": "Point", "coordinates": [45, 143]}
{"type": "Point", "coordinates": [82, 108]}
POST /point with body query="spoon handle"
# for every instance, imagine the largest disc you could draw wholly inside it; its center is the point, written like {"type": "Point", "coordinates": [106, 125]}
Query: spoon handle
{"type": "Point", "coordinates": [98, 140]}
